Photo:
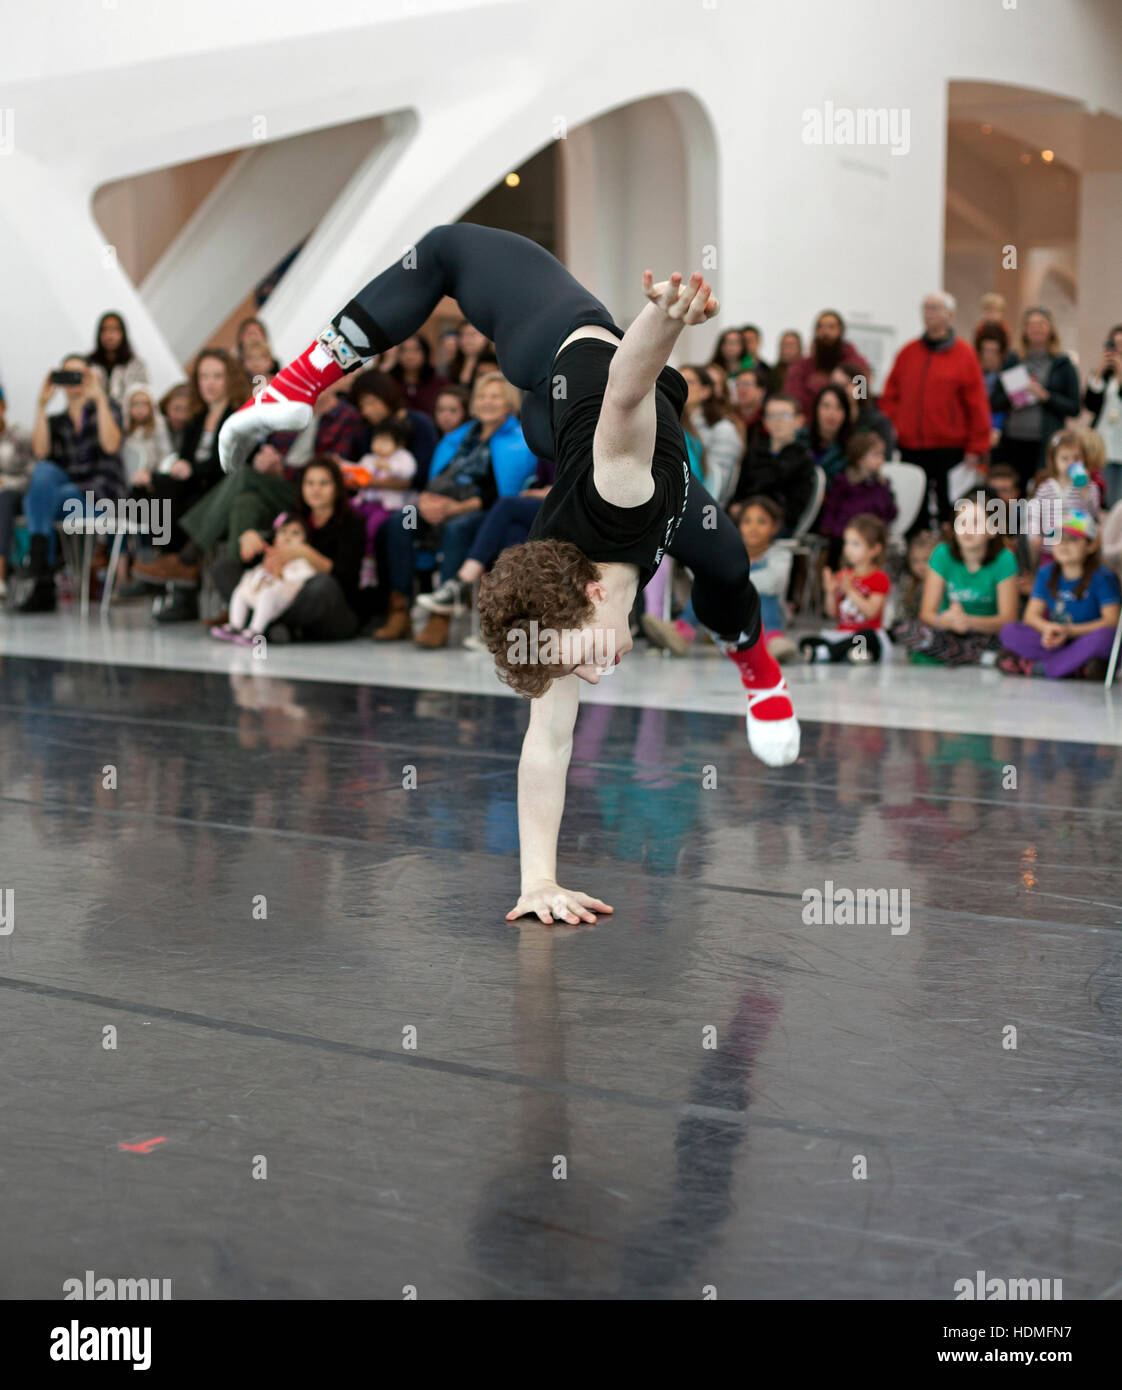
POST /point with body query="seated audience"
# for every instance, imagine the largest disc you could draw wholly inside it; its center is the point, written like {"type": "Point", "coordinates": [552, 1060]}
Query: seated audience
{"type": "Point", "coordinates": [908, 601]}
{"type": "Point", "coordinates": [719, 437]}
{"type": "Point", "coordinates": [1103, 398]}
{"type": "Point", "coordinates": [474, 354]}
{"type": "Point", "coordinates": [1093, 449]}
{"type": "Point", "coordinates": [147, 441]}
{"type": "Point", "coordinates": [829, 349]}
{"type": "Point", "coordinates": [748, 394]}
{"type": "Point", "coordinates": [78, 453]}
{"type": "Point", "coordinates": [16, 461]}
{"type": "Point", "coordinates": [969, 595]}
{"type": "Point", "coordinates": [327, 607]}
{"type": "Point", "coordinates": [113, 359]}
{"type": "Point", "coordinates": [780, 466]}
{"type": "Point", "coordinates": [507, 523]}
{"type": "Point", "coordinates": [1004, 482]}
{"type": "Point", "coordinates": [859, 488]}
{"type": "Point", "coordinates": [451, 409]}
{"type": "Point", "coordinates": [471, 467]}
{"type": "Point", "coordinates": [855, 598]}
{"type": "Point", "coordinates": [863, 411]}
{"type": "Point", "coordinates": [828, 431]}
{"type": "Point", "coordinates": [378, 398]}
{"type": "Point", "coordinates": [219, 387]}
{"type": "Point", "coordinates": [1069, 624]}
{"type": "Point", "coordinates": [264, 594]}
{"type": "Point", "coordinates": [790, 350]}
{"type": "Point", "coordinates": [752, 359]}
{"type": "Point", "coordinates": [419, 380]}
{"type": "Point", "coordinates": [384, 480]}
{"type": "Point", "coordinates": [176, 408]}
{"type": "Point", "coordinates": [729, 352]}
{"type": "Point", "coordinates": [1066, 486]}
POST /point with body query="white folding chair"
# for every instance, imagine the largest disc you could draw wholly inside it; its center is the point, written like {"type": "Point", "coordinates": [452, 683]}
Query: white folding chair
{"type": "Point", "coordinates": [78, 538]}
{"type": "Point", "coordinates": [908, 482]}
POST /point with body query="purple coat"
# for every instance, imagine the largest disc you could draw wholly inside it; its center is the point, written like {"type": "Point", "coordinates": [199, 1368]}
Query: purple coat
{"type": "Point", "coordinates": [845, 500]}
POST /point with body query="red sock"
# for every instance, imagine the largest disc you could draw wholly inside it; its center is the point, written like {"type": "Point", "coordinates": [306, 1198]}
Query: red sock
{"type": "Point", "coordinates": [306, 376]}
{"type": "Point", "coordinates": [759, 670]}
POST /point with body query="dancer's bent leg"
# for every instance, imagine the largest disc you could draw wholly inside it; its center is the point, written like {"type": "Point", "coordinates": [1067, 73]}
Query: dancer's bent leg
{"type": "Point", "coordinates": [726, 602]}
{"type": "Point", "coordinates": [511, 289]}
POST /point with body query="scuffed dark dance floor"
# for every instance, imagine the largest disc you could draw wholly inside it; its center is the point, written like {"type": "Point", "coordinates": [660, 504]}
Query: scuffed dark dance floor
{"type": "Point", "coordinates": [707, 1092]}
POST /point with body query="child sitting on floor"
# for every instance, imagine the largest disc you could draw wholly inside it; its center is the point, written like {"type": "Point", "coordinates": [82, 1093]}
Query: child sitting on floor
{"type": "Point", "coordinates": [1067, 486]}
{"type": "Point", "coordinates": [261, 597]}
{"type": "Point", "coordinates": [858, 490]}
{"type": "Point", "coordinates": [920, 549]}
{"type": "Point", "coordinates": [1005, 482]}
{"type": "Point", "coordinates": [969, 594]}
{"type": "Point", "coordinates": [1070, 620]}
{"type": "Point", "coordinates": [758, 520]}
{"type": "Point", "coordinates": [855, 597]}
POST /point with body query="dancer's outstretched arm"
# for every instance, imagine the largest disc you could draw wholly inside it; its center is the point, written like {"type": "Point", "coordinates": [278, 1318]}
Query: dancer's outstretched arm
{"type": "Point", "coordinates": [542, 770]}
{"type": "Point", "coordinates": [625, 434]}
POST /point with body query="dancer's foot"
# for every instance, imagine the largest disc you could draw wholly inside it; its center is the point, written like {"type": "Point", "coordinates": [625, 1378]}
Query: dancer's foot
{"type": "Point", "coordinates": [773, 730]}
{"type": "Point", "coordinates": [448, 597]}
{"type": "Point", "coordinates": [286, 403]}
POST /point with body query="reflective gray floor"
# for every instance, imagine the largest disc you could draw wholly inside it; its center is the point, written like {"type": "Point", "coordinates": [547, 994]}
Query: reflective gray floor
{"type": "Point", "coordinates": [707, 1069]}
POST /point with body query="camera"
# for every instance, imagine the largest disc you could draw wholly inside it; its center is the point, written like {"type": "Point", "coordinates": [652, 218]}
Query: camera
{"type": "Point", "coordinates": [61, 378]}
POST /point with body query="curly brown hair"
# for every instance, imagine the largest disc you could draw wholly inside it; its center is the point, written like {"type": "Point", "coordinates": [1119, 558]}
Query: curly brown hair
{"type": "Point", "coordinates": [540, 582]}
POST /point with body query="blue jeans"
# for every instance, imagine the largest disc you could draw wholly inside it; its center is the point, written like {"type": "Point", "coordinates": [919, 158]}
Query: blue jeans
{"type": "Point", "coordinates": [47, 493]}
{"type": "Point", "coordinates": [455, 538]}
{"type": "Point", "coordinates": [507, 523]}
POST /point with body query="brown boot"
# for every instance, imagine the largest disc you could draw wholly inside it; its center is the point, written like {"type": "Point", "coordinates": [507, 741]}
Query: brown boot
{"type": "Point", "coordinates": [435, 631]}
{"type": "Point", "coordinates": [397, 627]}
{"type": "Point", "coordinates": [167, 569]}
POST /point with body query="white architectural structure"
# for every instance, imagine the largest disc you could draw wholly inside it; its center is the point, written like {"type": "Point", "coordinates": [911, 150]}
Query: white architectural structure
{"type": "Point", "coordinates": [691, 132]}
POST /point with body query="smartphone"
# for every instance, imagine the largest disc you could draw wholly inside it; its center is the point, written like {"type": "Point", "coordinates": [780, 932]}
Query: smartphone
{"type": "Point", "coordinates": [66, 378]}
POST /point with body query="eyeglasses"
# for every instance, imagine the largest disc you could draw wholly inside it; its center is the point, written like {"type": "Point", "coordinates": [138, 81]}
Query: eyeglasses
{"type": "Point", "coordinates": [779, 414]}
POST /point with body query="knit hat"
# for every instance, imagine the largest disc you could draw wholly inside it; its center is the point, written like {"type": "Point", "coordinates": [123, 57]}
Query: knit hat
{"type": "Point", "coordinates": [1077, 522]}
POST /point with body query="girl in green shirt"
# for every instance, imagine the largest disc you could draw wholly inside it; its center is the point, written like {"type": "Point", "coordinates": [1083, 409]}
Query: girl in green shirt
{"type": "Point", "coordinates": [969, 593]}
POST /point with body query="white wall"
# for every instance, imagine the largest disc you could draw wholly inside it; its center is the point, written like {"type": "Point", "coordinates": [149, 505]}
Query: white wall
{"type": "Point", "coordinates": [101, 91]}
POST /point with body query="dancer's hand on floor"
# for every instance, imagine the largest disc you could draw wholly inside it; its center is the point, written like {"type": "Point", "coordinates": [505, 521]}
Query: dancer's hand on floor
{"type": "Point", "coordinates": [691, 302]}
{"type": "Point", "coordinates": [551, 903]}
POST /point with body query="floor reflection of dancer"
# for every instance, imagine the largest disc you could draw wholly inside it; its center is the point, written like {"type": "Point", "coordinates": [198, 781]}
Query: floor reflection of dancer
{"type": "Point", "coordinates": [605, 406]}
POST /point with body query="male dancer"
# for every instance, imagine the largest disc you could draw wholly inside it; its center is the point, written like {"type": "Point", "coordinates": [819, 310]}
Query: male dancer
{"type": "Point", "coordinates": [605, 406]}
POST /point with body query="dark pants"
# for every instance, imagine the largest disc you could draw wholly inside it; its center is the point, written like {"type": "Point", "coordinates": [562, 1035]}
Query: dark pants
{"type": "Point", "coordinates": [527, 303]}
{"type": "Point", "coordinates": [11, 502]}
{"type": "Point", "coordinates": [511, 289]}
{"type": "Point", "coordinates": [1026, 456]}
{"type": "Point", "coordinates": [244, 500]}
{"type": "Point", "coordinates": [398, 543]}
{"type": "Point", "coordinates": [318, 613]}
{"type": "Point", "coordinates": [180, 495]}
{"type": "Point", "coordinates": [936, 463]}
{"type": "Point", "coordinates": [507, 523]}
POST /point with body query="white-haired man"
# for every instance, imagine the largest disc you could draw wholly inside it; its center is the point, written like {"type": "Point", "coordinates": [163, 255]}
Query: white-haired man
{"type": "Point", "coordinates": [936, 398]}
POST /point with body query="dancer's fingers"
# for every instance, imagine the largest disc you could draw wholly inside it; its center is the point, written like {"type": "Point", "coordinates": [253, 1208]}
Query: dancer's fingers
{"type": "Point", "coordinates": [595, 903]}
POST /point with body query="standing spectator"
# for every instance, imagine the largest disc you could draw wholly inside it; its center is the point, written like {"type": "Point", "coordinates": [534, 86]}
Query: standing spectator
{"type": "Point", "coordinates": [790, 350]}
{"type": "Point", "coordinates": [936, 399]}
{"type": "Point", "coordinates": [473, 355]}
{"type": "Point", "coordinates": [1054, 384]}
{"type": "Point", "coordinates": [419, 380]}
{"type": "Point", "coordinates": [451, 409]}
{"type": "Point", "coordinates": [748, 393]}
{"type": "Point", "coordinates": [77, 449]}
{"type": "Point", "coordinates": [16, 459]}
{"type": "Point", "coordinates": [992, 322]}
{"type": "Point", "coordinates": [991, 349]}
{"type": "Point", "coordinates": [113, 359]}
{"type": "Point", "coordinates": [729, 352]}
{"type": "Point", "coordinates": [827, 434]}
{"type": "Point", "coordinates": [720, 439]}
{"type": "Point", "coordinates": [175, 407]}
{"type": "Point", "coordinates": [828, 350]}
{"type": "Point", "coordinates": [1103, 398]}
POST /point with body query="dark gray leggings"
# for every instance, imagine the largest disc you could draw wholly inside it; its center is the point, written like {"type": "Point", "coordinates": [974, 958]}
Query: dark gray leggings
{"type": "Point", "coordinates": [511, 289]}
